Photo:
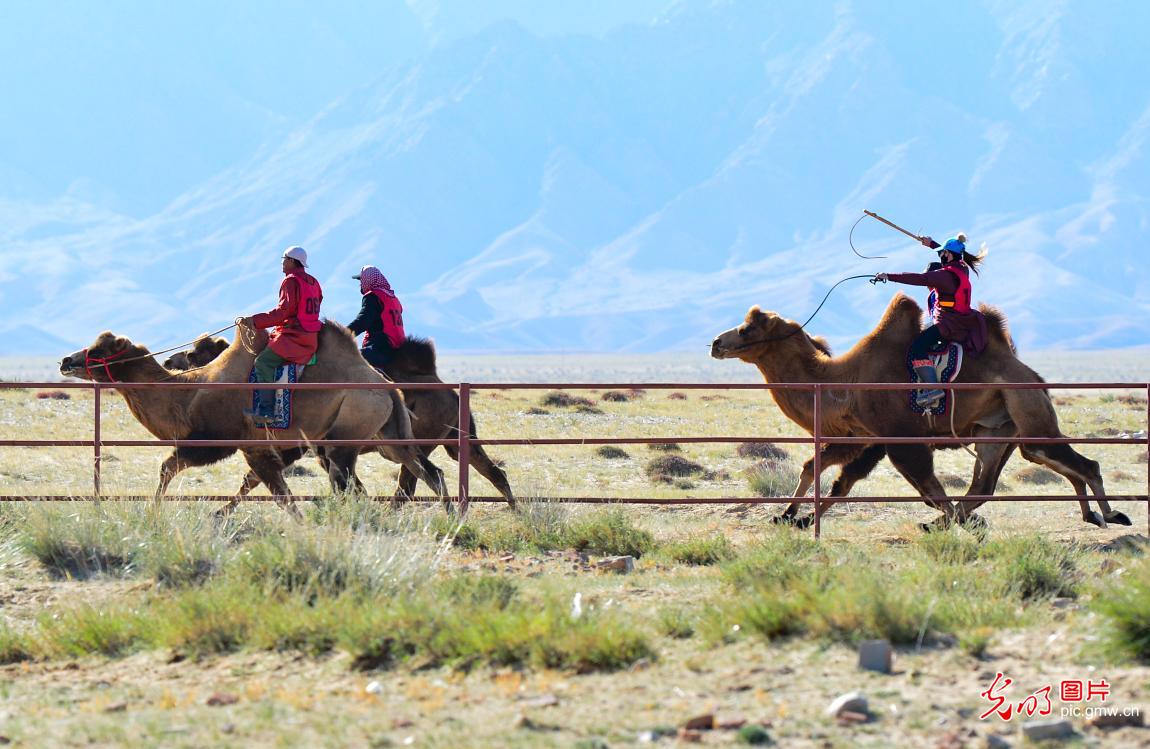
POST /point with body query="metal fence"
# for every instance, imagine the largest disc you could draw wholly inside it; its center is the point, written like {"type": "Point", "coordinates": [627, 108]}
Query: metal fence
{"type": "Point", "coordinates": [464, 441]}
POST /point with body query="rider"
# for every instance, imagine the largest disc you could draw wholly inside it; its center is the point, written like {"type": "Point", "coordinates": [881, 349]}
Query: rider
{"type": "Point", "coordinates": [380, 318]}
{"type": "Point", "coordinates": [954, 318]}
{"type": "Point", "coordinates": [297, 324]}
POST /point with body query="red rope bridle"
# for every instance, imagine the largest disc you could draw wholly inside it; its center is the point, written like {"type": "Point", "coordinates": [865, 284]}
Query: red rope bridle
{"type": "Point", "coordinates": [89, 360]}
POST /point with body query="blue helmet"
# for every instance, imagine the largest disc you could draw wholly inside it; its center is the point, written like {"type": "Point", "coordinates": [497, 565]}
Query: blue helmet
{"type": "Point", "coordinates": [955, 245]}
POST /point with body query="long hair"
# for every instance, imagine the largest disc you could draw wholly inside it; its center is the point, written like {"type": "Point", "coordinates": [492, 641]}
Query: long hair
{"type": "Point", "coordinates": [972, 261]}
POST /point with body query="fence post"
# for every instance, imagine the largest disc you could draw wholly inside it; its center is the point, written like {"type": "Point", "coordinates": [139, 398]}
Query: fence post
{"type": "Point", "coordinates": [1148, 459]}
{"type": "Point", "coordinates": [464, 445]}
{"type": "Point", "coordinates": [96, 439]}
{"type": "Point", "coordinates": [818, 458]}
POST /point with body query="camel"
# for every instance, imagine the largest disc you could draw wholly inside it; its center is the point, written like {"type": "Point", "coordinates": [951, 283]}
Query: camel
{"type": "Point", "coordinates": [204, 350]}
{"type": "Point", "coordinates": [435, 416]}
{"type": "Point", "coordinates": [218, 414]}
{"type": "Point", "coordinates": [857, 462]}
{"type": "Point", "coordinates": [784, 353]}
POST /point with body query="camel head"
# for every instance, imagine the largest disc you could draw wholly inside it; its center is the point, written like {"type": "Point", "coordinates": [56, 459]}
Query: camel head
{"type": "Point", "coordinates": [749, 340]}
{"type": "Point", "coordinates": [205, 350]}
{"type": "Point", "coordinates": [99, 361]}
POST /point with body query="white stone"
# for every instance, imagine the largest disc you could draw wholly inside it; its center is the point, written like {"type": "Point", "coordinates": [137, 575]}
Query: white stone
{"type": "Point", "coordinates": [851, 702]}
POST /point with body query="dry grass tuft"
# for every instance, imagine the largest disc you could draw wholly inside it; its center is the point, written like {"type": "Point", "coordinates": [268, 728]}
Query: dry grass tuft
{"type": "Point", "coordinates": [1133, 401]}
{"type": "Point", "coordinates": [559, 399]}
{"type": "Point", "coordinates": [610, 452]}
{"type": "Point", "coordinates": [56, 395]}
{"type": "Point", "coordinates": [617, 396]}
{"type": "Point", "coordinates": [952, 481]}
{"type": "Point", "coordinates": [765, 450]}
{"type": "Point", "coordinates": [667, 468]}
{"type": "Point", "coordinates": [536, 411]}
{"type": "Point", "coordinates": [1038, 476]}
{"type": "Point", "coordinates": [677, 396]}
{"type": "Point", "coordinates": [665, 447]}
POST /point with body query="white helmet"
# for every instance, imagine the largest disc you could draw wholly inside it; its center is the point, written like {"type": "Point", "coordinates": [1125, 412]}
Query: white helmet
{"type": "Point", "coordinates": [297, 253]}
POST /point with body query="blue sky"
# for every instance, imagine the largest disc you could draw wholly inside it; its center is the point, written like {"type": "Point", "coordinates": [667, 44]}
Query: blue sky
{"type": "Point", "coordinates": [600, 175]}
{"type": "Point", "coordinates": [129, 103]}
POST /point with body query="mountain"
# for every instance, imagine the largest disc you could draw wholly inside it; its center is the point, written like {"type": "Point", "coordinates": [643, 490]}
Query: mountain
{"type": "Point", "coordinates": [639, 188]}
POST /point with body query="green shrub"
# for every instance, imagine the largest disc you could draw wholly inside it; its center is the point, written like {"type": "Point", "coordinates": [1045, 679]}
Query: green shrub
{"type": "Point", "coordinates": [609, 532]}
{"type": "Point", "coordinates": [1125, 604]}
{"type": "Point", "coordinates": [773, 478]}
{"type": "Point", "coordinates": [701, 550]}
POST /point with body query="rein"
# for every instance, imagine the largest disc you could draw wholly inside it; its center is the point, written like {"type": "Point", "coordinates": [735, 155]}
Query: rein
{"type": "Point", "coordinates": [103, 361]}
{"type": "Point", "coordinates": [796, 330]}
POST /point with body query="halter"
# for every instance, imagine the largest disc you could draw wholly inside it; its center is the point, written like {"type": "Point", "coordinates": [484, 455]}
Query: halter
{"type": "Point", "coordinates": [100, 361]}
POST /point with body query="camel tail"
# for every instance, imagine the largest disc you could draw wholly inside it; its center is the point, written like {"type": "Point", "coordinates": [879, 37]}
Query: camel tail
{"type": "Point", "coordinates": [402, 416]}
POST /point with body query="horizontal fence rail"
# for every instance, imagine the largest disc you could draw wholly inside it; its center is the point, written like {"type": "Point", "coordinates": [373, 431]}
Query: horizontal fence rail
{"type": "Point", "coordinates": [464, 441]}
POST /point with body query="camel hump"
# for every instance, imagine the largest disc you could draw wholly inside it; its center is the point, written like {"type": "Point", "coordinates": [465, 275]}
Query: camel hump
{"type": "Point", "coordinates": [415, 355]}
{"type": "Point", "coordinates": [996, 325]}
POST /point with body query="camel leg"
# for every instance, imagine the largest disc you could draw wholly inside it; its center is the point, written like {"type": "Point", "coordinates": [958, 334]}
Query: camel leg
{"type": "Point", "coordinates": [168, 470]}
{"type": "Point", "coordinates": [189, 457]}
{"type": "Point", "coordinates": [486, 467]}
{"type": "Point", "coordinates": [1081, 472]}
{"type": "Point", "coordinates": [850, 474]}
{"type": "Point", "coordinates": [414, 462]}
{"type": "Point", "coordinates": [832, 455]}
{"type": "Point", "coordinates": [268, 467]}
{"type": "Point", "coordinates": [341, 468]}
{"type": "Point", "coordinates": [992, 458]}
{"type": "Point", "coordinates": [916, 464]}
{"type": "Point", "coordinates": [1033, 412]}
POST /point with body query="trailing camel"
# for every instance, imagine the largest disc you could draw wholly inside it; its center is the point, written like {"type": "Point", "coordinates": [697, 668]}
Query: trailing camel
{"type": "Point", "coordinates": [434, 416]}
{"type": "Point", "coordinates": [783, 352]}
{"type": "Point", "coordinates": [175, 414]}
{"type": "Point", "coordinates": [204, 350]}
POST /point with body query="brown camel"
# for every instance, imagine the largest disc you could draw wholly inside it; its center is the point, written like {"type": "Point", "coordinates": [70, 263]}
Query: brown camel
{"type": "Point", "coordinates": [857, 462]}
{"type": "Point", "coordinates": [218, 414]}
{"type": "Point", "coordinates": [784, 353]}
{"type": "Point", "coordinates": [435, 416]}
{"type": "Point", "coordinates": [204, 350]}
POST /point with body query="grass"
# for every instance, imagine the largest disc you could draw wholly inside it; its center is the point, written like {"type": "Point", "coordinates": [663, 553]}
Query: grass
{"type": "Point", "coordinates": [700, 550]}
{"type": "Point", "coordinates": [942, 587]}
{"type": "Point", "coordinates": [772, 478]}
{"type": "Point", "coordinates": [543, 526]}
{"type": "Point", "coordinates": [1125, 605]}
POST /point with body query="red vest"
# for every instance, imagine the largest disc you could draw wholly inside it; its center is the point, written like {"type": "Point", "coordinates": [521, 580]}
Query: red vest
{"type": "Point", "coordinates": [960, 301]}
{"type": "Point", "coordinates": [392, 317]}
{"type": "Point", "coordinates": [310, 296]}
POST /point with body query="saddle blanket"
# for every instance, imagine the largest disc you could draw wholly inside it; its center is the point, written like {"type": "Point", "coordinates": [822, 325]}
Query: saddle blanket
{"type": "Point", "coordinates": [288, 373]}
{"type": "Point", "coordinates": [947, 363]}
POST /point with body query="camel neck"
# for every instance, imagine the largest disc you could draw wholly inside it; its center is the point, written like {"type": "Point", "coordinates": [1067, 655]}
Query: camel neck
{"type": "Point", "coordinates": [788, 363]}
{"type": "Point", "coordinates": [158, 410]}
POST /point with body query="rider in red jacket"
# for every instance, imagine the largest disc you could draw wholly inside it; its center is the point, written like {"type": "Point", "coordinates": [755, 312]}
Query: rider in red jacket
{"type": "Point", "coordinates": [296, 324]}
{"type": "Point", "coordinates": [954, 318]}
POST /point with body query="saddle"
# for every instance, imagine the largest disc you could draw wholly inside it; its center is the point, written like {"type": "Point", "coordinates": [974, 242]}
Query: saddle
{"type": "Point", "coordinates": [288, 373]}
{"type": "Point", "coordinates": [947, 363]}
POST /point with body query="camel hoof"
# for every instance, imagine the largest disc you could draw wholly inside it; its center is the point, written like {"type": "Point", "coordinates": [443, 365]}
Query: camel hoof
{"type": "Point", "coordinates": [806, 521]}
{"type": "Point", "coordinates": [939, 524]}
{"type": "Point", "coordinates": [1095, 519]}
{"type": "Point", "coordinates": [977, 526]}
{"type": "Point", "coordinates": [1118, 518]}
{"type": "Point", "coordinates": [975, 522]}
{"type": "Point", "coordinates": [783, 519]}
